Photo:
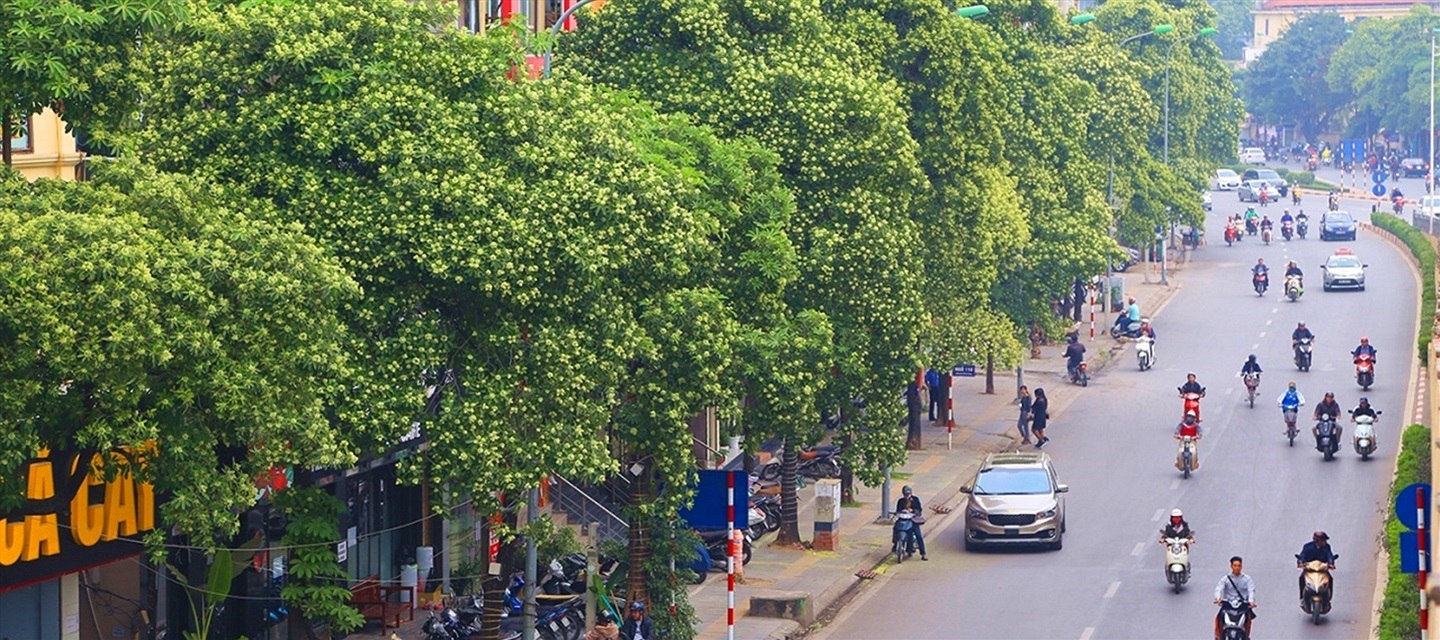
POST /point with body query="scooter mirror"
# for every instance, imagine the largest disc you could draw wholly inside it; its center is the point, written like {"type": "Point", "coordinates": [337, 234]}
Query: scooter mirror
{"type": "Point", "coordinates": [966, 489]}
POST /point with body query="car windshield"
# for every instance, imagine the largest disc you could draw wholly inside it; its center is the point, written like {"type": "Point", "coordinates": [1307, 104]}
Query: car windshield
{"type": "Point", "coordinates": [1266, 174]}
{"type": "Point", "coordinates": [1339, 217]}
{"type": "Point", "coordinates": [1430, 201]}
{"type": "Point", "coordinates": [1000, 481]}
{"type": "Point", "coordinates": [1344, 262]}
{"type": "Point", "coordinates": [1225, 173]}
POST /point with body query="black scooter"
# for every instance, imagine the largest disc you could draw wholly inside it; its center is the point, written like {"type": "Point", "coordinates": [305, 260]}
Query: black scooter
{"type": "Point", "coordinates": [1327, 436]}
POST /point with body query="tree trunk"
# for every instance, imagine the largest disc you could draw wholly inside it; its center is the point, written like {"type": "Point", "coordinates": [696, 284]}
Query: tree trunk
{"type": "Point", "coordinates": [916, 420]}
{"type": "Point", "coordinates": [847, 477]}
{"type": "Point", "coordinates": [493, 587]}
{"type": "Point", "coordinates": [789, 532]}
{"type": "Point", "coordinates": [636, 579]}
{"type": "Point", "coordinates": [989, 374]}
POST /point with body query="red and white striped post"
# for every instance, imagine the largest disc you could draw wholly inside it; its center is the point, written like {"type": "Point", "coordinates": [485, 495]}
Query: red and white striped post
{"type": "Point", "coordinates": [950, 411]}
{"type": "Point", "coordinates": [1420, 545]}
{"type": "Point", "coordinates": [1092, 312]}
{"type": "Point", "coordinates": [730, 557]}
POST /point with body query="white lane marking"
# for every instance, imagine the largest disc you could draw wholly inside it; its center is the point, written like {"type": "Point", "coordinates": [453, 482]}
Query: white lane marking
{"type": "Point", "coordinates": [1255, 346]}
{"type": "Point", "coordinates": [1174, 484]}
{"type": "Point", "coordinates": [1268, 322]}
{"type": "Point", "coordinates": [1089, 631]}
{"type": "Point", "coordinates": [1139, 549]}
{"type": "Point", "coordinates": [1114, 586]}
{"type": "Point", "coordinates": [1159, 515]}
{"type": "Point", "coordinates": [1275, 310]}
{"type": "Point", "coordinates": [1262, 333]}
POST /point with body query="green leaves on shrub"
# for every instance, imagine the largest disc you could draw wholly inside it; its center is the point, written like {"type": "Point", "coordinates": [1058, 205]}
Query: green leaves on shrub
{"type": "Point", "coordinates": [1425, 254]}
{"type": "Point", "coordinates": [1400, 609]}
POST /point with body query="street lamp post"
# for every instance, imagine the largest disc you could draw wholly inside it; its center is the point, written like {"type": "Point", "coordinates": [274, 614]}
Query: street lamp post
{"type": "Point", "coordinates": [555, 33]}
{"type": "Point", "coordinates": [1207, 31]}
{"type": "Point", "coordinates": [1430, 137]}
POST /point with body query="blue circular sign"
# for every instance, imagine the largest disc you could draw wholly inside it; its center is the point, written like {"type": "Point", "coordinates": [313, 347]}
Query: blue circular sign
{"type": "Point", "coordinates": [1378, 176]}
{"type": "Point", "coordinates": [1378, 190]}
{"type": "Point", "coordinates": [1406, 510]}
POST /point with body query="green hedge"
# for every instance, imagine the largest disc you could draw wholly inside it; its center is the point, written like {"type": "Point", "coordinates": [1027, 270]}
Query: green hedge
{"type": "Point", "coordinates": [1425, 253]}
{"type": "Point", "coordinates": [1400, 610]}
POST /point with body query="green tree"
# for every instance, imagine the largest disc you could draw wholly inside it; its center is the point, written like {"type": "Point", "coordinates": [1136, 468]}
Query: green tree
{"type": "Point", "coordinates": [1236, 25]}
{"type": "Point", "coordinates": [51, 50]}
{"type": "Point", "coordinates": [185, 334]}
{"type": "Point", "coordinates": [1385, 65]}
{"type": "Point", "coordinates": [1287, 84]}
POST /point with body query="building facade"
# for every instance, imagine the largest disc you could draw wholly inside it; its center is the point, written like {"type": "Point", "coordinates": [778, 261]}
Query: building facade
{"type": "Point", "coordinates": [42, 148]}
{"type": "Point", "coordinates": [1273, 17]}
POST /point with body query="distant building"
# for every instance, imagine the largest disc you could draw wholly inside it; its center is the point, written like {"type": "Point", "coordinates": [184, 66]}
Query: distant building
{"type": "Point", "coordinates": [42, 149]}
{"type": "Point", "coordinates": [1272, 17]}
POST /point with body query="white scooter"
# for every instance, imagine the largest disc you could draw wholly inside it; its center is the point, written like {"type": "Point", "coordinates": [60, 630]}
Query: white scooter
{"type": "Point", "coordinates": [1364, 437]}
{"type": "Point", "coordinates": [1293, 290]}
{"type": "Point", "coordinates": [1145, 352]}
{"type": "Point", "coordinates": [1177, 562]}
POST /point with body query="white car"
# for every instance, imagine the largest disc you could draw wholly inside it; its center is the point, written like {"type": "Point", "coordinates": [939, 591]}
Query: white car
{"type": "Point", "coordinates": [1344, 270]}
{"type": "Point", "coordinates": [1252, 155]}
{"type": "Point", "coordinates": [1225, 180]}
{"type": "Point", "coordinates": [1428, 207]}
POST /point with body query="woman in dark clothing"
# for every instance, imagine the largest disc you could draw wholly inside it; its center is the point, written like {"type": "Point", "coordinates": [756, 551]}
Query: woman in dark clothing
{"type": "Point", "coordinates": [1040, 417]}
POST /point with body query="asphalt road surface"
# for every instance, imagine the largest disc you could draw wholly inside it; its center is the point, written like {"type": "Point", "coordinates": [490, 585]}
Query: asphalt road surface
{"type": "Point", "coordinates": [1253, 495]}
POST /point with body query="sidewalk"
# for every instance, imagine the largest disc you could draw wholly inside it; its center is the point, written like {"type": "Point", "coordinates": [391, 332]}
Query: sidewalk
{"type": "Point", "coordinates": [983, 424]}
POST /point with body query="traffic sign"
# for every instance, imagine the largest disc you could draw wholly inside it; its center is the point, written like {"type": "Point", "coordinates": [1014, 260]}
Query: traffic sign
{"type": "Point", "coordinates": [1405, 509]}
{"type": "Point", "coordinates": [1410, 553]}
{"type": "Point", "coordinates": [1378, 176]}
{"type": "Point", "coordinates": [1378, 190]}
{"type": "Point", "coordinates": [963, 371]}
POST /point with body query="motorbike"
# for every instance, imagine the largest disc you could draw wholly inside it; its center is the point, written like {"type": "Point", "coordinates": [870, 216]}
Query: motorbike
{"type": "Point", "coordinates": [1302, 228]}
{"type": "Point", "coordinates": [1302, 353]}
{"type": "Point", "coordinates": [1186, 456]}
{"type": "Point", "coordinates": [1192, 403]}
{"type": "Point", "coordinates": [1231, 235]}
{"type": "Point", "coordinates": [1291, 414]}
{"type": "Point", "coordinates": [1265, 236]}
{"type": "Point", "coordinates": [1327, 436]}
{"type": "Point", "coordinates": [717, 546]}
{"type": "Point", "coordinates": [1145, 352]}
{"type": "Point", "coordinates": [904, 533]}
{"type": "Point", "coordinates": [1261, 282]}
{"type": "Point", "coordinates": [1177, 562]}
{"type": "Point", "coordinates": [1293, 288]}
{"type": "Point", "coordinates": [565, 576]}
{"type": "Point", "coordinates": [1365, 371]}
{"type": "Point", "coordinates": [1318, 588]}
{"type": "Point", "coordinates": [1252, 383]}
{"type": "Point", "coordinates": [1233, 616]}
{"type": "Point", "coordinates": [820, 461]}
{"type": "Point", "coordinates": [1252, 226]}
{"type": "Point", "coordinates": [1080, 375]}
{"type": "Point", "coordinates": [1121, 330]}
{"type": "Point", "coordinates": [1365, 443]}
{"type": "Point", "coordinates": [1287, 230]}
{"type": "Point", "coordinates": [764, 514]}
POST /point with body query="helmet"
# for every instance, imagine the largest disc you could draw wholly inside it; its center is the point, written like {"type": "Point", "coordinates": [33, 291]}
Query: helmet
{"type": "Point", "coordinates": [604, 618]}
{"type": "Point", "coordinates": [1302, 323]}
{"type": "Point", "coordinates": [1175, 513]}
{"type": "Point", "coordinates": [1190, 413]}
{"type": "Point", "coordinates": [1320, 535]}
{"type": "Point", "coordinates": [1252, 357]}
{"type": "Point", "coordinates": [1364, 340]}
{"type": "Point", "coordinates": [1364, 400]}
{"type": "Point", "coordinates": [905, 490]}
{"type": "Point", "coordinates": [637, 606]}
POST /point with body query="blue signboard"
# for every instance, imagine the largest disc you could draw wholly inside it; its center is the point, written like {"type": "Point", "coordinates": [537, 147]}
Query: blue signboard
{"type": "Point", "coordinates": [1410, 553]}
{"type": "Point", "coordinates": [1378, 190]}
{"type": "Point", "coordinates": [1405, 509]}
{"type": "Point", "coordinates": [963, 371]}
{"type": "Point", "coordinates": [1378, 177]}
{"type": "Point", "coordinates": [708, 512]}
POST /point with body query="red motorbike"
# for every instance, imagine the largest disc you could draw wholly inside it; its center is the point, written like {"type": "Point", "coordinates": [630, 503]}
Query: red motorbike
{"type": "Point", "coordinates": [1232, 235]}
{"type": "Point", "coordinates": [1365, 370]}
{"type": "Point", "coordinates": [1192, 403]}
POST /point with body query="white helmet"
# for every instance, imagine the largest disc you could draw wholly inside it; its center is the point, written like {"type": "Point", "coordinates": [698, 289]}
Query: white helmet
{"type": "Point", "coordinates": [1175, 513]}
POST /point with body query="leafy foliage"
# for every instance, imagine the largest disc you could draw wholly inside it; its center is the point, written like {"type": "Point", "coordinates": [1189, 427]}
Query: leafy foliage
{"type": "Point", "coordinates": [1385, 65]}
{"type": "Point", "coordinates": [142, 307]}
{"type": "Point", "coordinates": [1400, 606]}
{"type": "Point", "coordinates": [1287, 84]}
{"type": "Point", "coordinates": [1424, 252]}
{"type": "Point", "coordinates": [316, 580]}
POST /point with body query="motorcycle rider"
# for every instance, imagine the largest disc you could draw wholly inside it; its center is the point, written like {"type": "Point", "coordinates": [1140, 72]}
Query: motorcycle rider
{"type": "Point", "coordinates": [1236, 588]}
{"type": "Point", "coordinates": [1327, 407]}
{"type": "Point", "coordinates": [1300, 333]}
{"type": "Point", "coordinates": [1251, 366]}
{"type": "Point", "coordinates": [1293, 269]}
{"type": "Point", "coordinates": [1363, 409]}
{"type": "Point", "coordinates": [1301, 218]}
{"type": "Point", "coordinates": [1264, 195]}
{"type": "Point", "coordinates": [1177, 528]}
{"type": "Point", "coordinates": [1132, 314]}
{"type": "Point", "coordinates": [1191, 386]}
{"type": "Point", "coordinates": [1286, 218]}
{"type": "Point", "coordinates": [909, 501]}
{"type": "Point", "coordinates": [1266, 224]}
{"type": "Point", "coordinates": [1074, 354]}
{"type": "Point", "coordinates": [1190, 426]}
{"type": "Point", "coordinates": [1147, 331]}
{"type": "Point", "coordinates": [1317, 550]}
{"type": "Point", "coordinates": [1364, 349]}
{"type": "Point", "coordinates": [1251, 217]}
{"type": "Point", "coordinates": [1291, 400]}
{"type": "Point", "coordinates": [1258, 271]}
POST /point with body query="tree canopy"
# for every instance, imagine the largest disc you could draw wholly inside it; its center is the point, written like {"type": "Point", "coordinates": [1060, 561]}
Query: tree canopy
{"type": "Point", "coordinates": [1288, 83]}
{"type": "Point", "coordinates": [1385, 65]}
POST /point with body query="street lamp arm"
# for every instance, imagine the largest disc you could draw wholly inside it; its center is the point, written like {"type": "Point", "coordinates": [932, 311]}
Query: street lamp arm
{"type": "Point", "coordinates": [1135, 37]}
{"type": "Point", "coordinates": [555, 33]}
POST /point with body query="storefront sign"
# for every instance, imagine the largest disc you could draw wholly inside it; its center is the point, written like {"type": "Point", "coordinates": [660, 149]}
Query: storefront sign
{"type": "Point", "coordinates": [54, 534]}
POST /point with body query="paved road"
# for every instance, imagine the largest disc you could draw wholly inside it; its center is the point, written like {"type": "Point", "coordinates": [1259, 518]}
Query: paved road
{"type": "Point", "coordinates": [1254, 496]}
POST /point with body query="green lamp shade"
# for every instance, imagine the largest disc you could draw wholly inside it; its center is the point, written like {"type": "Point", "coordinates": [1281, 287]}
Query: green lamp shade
{"type": "Point", "coordinates": [1084, 18]}
{"type": "Point", "coordinates": [973, 11]}
{"type": "Point", "coordinates": [1163, 29]}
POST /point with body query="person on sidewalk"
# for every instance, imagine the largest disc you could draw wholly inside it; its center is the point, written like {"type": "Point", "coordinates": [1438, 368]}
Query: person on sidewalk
{"type": "Point", "coordinates": [932, 383]}
{"type": "Point", "coordinates": [908, 501]}
{"type": "Point", "coordinates": [605, 628]}
{"type": "Point", "coordinates": [1023, 425]}
{"type": "Point", "coordinates": [1040, 417]}
{"type": "Point", "coordinates": [638, 626]}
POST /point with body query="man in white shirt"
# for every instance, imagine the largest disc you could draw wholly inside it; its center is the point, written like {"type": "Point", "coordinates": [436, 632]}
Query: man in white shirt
{"type": "Point", "coordinates": [1238, 590]}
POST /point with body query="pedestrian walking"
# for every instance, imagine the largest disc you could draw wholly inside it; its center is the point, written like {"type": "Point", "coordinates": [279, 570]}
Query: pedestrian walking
{"type": "Point", "coordinates": [1023, 425]}
{"type": "Point", "coordinates": [1040, 417]}
{"type": "Point", "coordinates": [932, 382]}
